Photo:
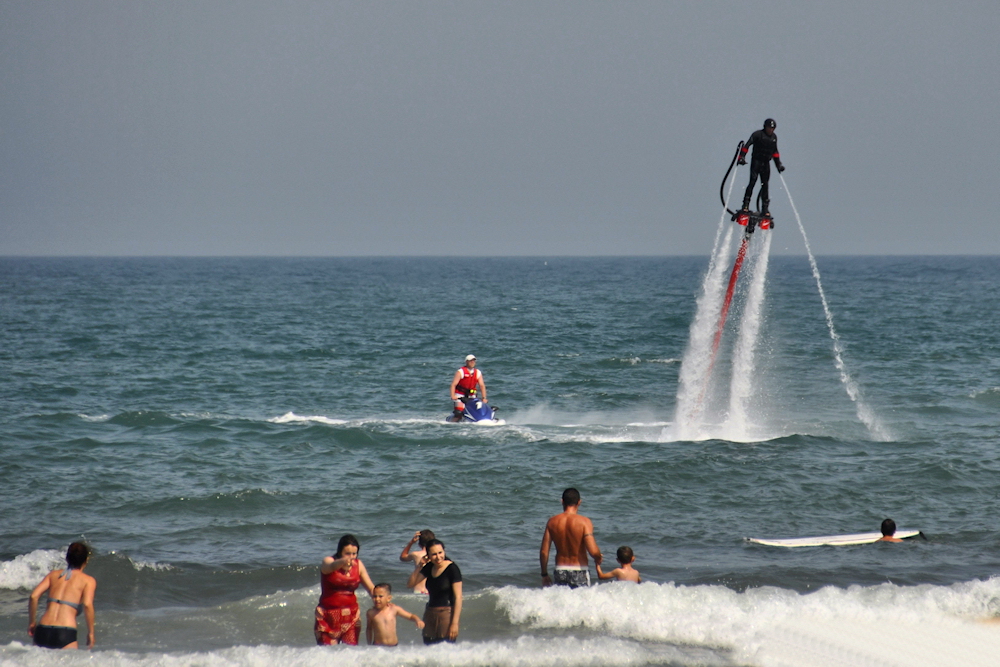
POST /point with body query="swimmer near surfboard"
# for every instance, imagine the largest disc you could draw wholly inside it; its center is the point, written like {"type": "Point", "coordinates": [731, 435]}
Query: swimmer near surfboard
{"type": "Point", "coordinates": [834, 540]}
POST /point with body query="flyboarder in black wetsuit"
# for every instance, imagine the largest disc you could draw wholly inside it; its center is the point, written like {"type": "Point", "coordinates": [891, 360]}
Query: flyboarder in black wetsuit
{"type": "Point", "coordinates": [765, 149]}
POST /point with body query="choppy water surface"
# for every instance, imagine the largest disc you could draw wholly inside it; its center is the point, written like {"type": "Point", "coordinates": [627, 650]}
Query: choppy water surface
{"type": "Point", "coordinates": [212, 426]}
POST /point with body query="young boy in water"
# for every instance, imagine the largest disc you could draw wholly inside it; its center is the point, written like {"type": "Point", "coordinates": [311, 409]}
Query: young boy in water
{"type": "Point", "coordinates": [381, 628]}
{"type": "Point", "coordinates": [624, 573]}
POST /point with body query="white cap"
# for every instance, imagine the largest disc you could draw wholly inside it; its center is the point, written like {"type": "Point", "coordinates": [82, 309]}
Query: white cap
{"type": "Point", "coordinates": [470, 357]}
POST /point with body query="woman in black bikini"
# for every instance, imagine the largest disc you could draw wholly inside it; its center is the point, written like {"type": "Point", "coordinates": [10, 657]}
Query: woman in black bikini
{"type": "Point", "coordinates": [70, 592]}
{"type": "Point", "coordinates": [444, 589]}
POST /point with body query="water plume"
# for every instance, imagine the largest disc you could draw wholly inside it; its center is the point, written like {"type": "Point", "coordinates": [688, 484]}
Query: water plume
{"type": "Point", "coordinates": [864, 411]}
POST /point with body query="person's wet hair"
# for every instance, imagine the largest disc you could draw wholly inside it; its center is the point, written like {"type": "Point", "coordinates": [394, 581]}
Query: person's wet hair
{"type": "Point", "coordinates": [346, 540]}
{"type": "Point", "coordinates": [387, 587]}
{"type": "Point", "coordinates": [625, 555]}
{"type": "Point", "coordinates": [77, 555]}
{"type": "Point", "coordinates": [425, 537]}
{"type": "Point", "coordinates": [571, 497]}
{"type": "Point", "coordinates": [888, 528]}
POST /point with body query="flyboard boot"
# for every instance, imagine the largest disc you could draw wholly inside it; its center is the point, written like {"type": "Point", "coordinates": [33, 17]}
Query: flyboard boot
{"type": "Point", "coordinates": [766, 221]}
{"type": "Point", "coordinates": [742, 216]}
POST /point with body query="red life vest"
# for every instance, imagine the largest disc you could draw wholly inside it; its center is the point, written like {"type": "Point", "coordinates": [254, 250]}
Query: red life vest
{"type": "Point", "coordinates": [470, 380]}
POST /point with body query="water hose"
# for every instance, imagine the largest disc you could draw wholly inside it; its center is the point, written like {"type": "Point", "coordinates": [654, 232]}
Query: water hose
{"type": "Point", "coordinates": [723, 186]}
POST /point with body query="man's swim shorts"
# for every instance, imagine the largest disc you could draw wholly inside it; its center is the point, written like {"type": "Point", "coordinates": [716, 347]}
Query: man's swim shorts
{"type": "Point", "coordinates": [572, 576]}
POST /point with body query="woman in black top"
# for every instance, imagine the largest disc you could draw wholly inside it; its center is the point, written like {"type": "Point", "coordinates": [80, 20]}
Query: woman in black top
{"type": "Point", "coordinates": [444, 588]}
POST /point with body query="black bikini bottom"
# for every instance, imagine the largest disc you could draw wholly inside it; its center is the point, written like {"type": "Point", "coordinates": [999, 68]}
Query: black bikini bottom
{"type": "Point", "coordinates": [54, 636]}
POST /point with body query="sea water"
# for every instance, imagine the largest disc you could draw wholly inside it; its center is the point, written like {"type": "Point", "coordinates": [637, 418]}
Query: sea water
{"type": "Point", "coordinates": [212, 427]}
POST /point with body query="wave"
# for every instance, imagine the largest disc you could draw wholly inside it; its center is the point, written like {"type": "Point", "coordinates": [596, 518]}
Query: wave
{"type": "Point", "coordinates": [26, 570]}
{"type": "Point", "coordinates": [774, 626]}
{"type": "Point", "coordinates": [142, 418]}
{"type": "Point", "coordinates": [612, 624]}
{"type": "Point", "coordinates": [989, 397]}
{"type": "Point", "coordinates": [717, 615]}
{"type": "Point", "coordinates": [292, 418]}
{"type": "Point", "coordinates": [537, 423]}
{"type": "Point", "coordinates": [524, 652]}
{"type": "Point", "coordinates": [534, 425]}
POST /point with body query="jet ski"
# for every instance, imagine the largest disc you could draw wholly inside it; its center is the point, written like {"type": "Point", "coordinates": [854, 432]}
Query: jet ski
{"type": "Point", "coordinates": [477, 410]}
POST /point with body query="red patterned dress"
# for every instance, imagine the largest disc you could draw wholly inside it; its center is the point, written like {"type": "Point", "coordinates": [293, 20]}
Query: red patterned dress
{"type": "Point", "coordinates": [338, 617]}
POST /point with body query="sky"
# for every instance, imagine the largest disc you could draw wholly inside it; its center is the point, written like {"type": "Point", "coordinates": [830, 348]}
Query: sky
{"type": "Point", "coordinates": [277, 128]}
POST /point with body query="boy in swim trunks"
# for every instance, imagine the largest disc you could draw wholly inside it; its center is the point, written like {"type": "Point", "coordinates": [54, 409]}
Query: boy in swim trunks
{"type": "Point", "coordinates": [573, 535]}
{"type": "Point", "coordinates": [381, 627]}
{"type": "Point", "coordinates": [624, 573]}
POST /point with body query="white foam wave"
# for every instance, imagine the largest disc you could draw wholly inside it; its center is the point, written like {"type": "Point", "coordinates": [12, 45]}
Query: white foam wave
{"type": "Point", "coordinates": [94, 418]}
{"type": "Point", "coordinates": [542, 423]}
{"type": "Point", "coordinates": [292, 418]}
{"type": "Point", "coordinates": [650, 624]}
{"type": "Point", "coordinates": [524, 651]}
{"type": "Point", "coordinates": [756, 625]}
{"type": "Point", "coordinates": [991, 392]}
{"type": "Point", "coordinates": [144, 564]}
{"type": "Point", "coordinates": [27, 570]}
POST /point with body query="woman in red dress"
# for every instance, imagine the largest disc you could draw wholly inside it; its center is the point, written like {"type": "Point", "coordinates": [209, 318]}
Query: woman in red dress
{"type": "Point", "coordinates": [338, 617]}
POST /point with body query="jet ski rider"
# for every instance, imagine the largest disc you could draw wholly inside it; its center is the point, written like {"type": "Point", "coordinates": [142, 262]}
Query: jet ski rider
{"type": "Point", "coordinates": [464, 385]}
{"type": "Point", "coordinates": [765, 149]}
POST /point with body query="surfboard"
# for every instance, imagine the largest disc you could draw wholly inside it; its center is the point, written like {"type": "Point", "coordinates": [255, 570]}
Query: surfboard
{"type": "Point", "coordinates": [832, 540]}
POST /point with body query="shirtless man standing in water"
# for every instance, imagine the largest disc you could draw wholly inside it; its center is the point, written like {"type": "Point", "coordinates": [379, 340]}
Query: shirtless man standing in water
{"type": "Point", "coordinates": [573, 534]}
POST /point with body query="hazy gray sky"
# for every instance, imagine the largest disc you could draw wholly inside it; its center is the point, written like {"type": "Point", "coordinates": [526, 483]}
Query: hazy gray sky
{"type": "Point", "coordinates": [491, 128]}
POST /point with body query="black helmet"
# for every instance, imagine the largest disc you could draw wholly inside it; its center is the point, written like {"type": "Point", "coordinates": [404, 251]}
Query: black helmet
{"type": "Point", "coordinates": [769, 123]}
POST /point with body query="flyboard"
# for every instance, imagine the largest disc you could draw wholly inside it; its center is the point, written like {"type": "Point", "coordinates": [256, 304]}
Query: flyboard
{"type": "Point", "coordinates": [750, 220]}
{"type": "Point", "coordinates": [833, 540]}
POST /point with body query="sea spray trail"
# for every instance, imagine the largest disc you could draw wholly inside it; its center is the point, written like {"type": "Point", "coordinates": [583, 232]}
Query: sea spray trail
{"type": "Point", "coordinates": [693, 378]}
{"type": "Point", "coordinates": [865, 413]}
{"type": "Point", "coordinates": [742, 389]}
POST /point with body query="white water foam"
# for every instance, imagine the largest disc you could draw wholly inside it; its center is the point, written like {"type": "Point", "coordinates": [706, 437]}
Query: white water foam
{"type": "Point", "coordinates": [742, 387]}
{"type": "Point", "coordinates": [140, 565]}
{"type": "Point", "coordinates": [94, 418]}
{"type": "Point", "coordinates": [292, 418]}
{"type": "Point", "coordinates": [523, 652]}
{"type": "Point", "coordinates": [27, 570]}
{"type": "Point", "coordinates": [772, 626]}
{"type": "Point", "coordinates": [613, 624]}
{"type": "Point", "coordinates": [865, 413]}
{"type": "Point", "coordinates": [693, 377]}
{"type": "Point", "coordinates": [696, 375]}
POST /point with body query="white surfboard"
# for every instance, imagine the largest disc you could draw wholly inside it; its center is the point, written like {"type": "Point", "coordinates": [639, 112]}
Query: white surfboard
{"type": "Point", "coordinates": [832, 540]}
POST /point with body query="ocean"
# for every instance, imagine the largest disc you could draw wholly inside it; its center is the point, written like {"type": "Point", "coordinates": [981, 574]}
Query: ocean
{"type": "Point", "coordinates": [212, 426]}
